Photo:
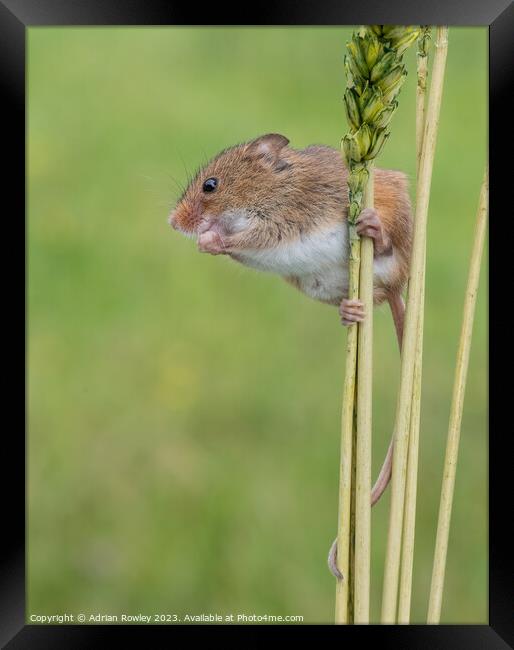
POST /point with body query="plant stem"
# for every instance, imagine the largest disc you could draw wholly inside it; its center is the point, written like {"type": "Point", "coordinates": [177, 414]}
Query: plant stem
{"type": "Point", "coordinates": [402, 421]}
{"type": "Point", "coordinates": [459, 388]}
{"type": "Point", "coordinates": [409, 524]}
{"type": "Point", "coordinates": [351, 568]}
{"type": "Point", "coordinates": [364, 413]}
{"type": "Point", "coordinates": [344, 530]}
{"type": "Point", "coordinates": [422, 73]}
{"type": "Point", "coordinates": [346, 524]}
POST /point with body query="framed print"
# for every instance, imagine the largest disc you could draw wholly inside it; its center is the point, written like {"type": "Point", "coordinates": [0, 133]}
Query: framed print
{"type": "Point", "coordinates": [199, 434]}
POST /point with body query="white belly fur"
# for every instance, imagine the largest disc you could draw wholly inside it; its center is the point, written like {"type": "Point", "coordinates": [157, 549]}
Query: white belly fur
{"type": "Point", "coordinates": [319, 261]}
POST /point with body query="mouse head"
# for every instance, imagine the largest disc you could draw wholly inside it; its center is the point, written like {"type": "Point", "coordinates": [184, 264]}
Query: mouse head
{"type": "Point", "coordinates": [232, 196]}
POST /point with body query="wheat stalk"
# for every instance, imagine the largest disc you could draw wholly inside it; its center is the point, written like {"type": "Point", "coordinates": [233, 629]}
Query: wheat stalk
{"type": "Point", "coordinates": [409, 522]}
{"type": "Point", "coordinates": [375, 74]}
{"type": "Point", "coordinates": [459, 388]}
{"type": "Point", "coordinates": [402, 420]}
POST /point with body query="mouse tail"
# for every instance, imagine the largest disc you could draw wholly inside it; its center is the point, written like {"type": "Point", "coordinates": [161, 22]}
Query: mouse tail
{"type": "Point", "coordinates": [397, 306]}
{"type": "Point", "coordinates": [384, 475]}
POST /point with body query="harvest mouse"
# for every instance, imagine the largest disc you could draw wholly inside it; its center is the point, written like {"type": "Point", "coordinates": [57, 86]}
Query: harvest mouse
{"type": "Point", "coordinates": [283, 210]}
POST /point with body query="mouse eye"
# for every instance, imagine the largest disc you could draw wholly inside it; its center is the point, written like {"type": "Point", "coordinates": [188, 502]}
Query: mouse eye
{"type": "Point", "coordinates": [210, 185]}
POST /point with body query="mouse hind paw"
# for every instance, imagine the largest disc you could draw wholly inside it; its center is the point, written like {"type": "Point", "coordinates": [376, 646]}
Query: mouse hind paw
{"type": "Point", "coordinates": [351, 311]}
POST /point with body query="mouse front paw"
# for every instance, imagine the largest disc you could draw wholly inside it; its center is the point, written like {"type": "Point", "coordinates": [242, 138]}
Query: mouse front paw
{"type": "Point", "coordinates": [211, 242]}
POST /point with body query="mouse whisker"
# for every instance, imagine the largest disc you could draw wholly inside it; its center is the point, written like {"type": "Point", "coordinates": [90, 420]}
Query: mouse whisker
{"type": "Point", "coordinates": [180, 186]}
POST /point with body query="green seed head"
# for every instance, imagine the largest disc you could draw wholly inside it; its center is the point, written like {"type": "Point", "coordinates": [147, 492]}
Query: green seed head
{"type": "Point", "coordinates": [375, 74]}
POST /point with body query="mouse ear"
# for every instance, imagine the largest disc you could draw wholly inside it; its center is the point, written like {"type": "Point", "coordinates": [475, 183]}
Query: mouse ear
{"type": "Point", "coordinates": [268, 145]}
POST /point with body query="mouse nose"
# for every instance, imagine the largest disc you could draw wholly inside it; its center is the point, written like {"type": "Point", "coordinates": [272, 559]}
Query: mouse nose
{"type": "Point", "coordinates": [172, 220]}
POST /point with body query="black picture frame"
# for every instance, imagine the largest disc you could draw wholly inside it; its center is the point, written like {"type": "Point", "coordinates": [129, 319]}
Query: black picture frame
{"type": "Point", "coordinates": [18, 15]}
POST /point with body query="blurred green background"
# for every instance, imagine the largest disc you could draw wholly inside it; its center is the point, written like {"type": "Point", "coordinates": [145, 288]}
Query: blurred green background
{"type": "Point", "coordinates": [184, 411]}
